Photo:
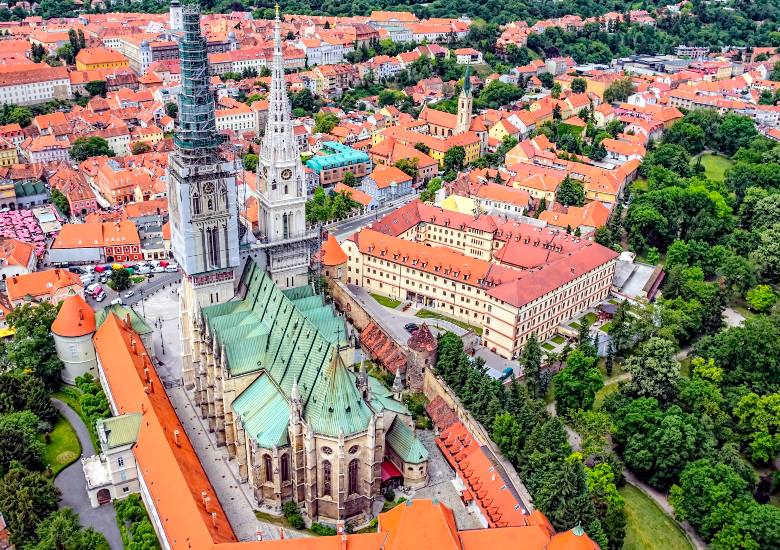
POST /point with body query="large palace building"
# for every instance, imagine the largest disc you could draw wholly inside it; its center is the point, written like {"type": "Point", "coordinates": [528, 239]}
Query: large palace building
{"type": "Point", "coordinates": [509, 278]}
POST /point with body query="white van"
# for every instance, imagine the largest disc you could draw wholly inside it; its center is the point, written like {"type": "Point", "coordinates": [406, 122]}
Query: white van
{"type": "Point", "coordinates": [87, 279]}
{"type": "Point", "coordinates": [116, 301]}
{"type": "Point", "coordinates": [172, 269]}
{"type": "Point", "coordinates": [143, 270]}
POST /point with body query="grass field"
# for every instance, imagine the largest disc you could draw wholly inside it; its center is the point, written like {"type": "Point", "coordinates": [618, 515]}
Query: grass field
{"type": "Point", "coordinates": [70, 396]}
{"type": "Point", "coordinates": [428, 314]}
{"type": "Point", "coordinates": [715, 166]}
{"type": "Point", "coordinates": [385, 301]}
{"type": "Point", "coordinates": [648, 528]}
{"type": "Point", "coordinates": [63, 447]}
{"type": "Point", "coordinates": [558, 339]}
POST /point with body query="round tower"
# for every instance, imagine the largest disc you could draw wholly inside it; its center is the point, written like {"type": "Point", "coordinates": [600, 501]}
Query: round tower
{"type": "Point", "coordinates": [72, 331]}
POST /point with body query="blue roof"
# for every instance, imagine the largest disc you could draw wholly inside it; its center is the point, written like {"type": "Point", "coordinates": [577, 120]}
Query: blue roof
{"type": "Point", "coordinates": [336, 154]}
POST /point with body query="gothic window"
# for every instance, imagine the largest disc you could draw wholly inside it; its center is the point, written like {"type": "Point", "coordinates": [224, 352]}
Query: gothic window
{"type": "Point", "coordinates": [269, 472]}
{"type": "Point", "coordinates": [211, 204]}
{"type": "Point", "coordinates": [285, 189]}
{"type": "Point", "coordinates": [285, 467]}
{"type": "Point", "coordinates": [353, 476]}
{"type": "Point", "coordinates": [195, 204]}
{"type": "Point", "coordinates": [326, 491]}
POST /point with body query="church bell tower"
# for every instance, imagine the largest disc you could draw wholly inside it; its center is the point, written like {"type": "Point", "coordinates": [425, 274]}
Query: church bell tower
{"type": "Point", "coordinates": [201, 192]}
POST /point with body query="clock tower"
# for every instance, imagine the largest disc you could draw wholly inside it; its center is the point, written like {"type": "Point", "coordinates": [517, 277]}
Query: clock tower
{"type": "Point", "coordinates": [282, 186]}
{"type": "Point", "coordinates": [201, 194]}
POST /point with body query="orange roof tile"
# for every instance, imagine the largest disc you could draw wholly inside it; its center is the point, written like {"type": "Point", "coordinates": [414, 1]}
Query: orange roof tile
{"type": "Point", "coordinates": [40, 283]}
{"type": "Point", "coordinates": [331, 253]}
{"type": "Point", "coordinates": [76, 318]}
{"type": "Point", "coordinates": [14, 252]}
{"type": "Point", "coordinates": [385, 176]}
{"type": "Point", "coordinates": [94, 235]}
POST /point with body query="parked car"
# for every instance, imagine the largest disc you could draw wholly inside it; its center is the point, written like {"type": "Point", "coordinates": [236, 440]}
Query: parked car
{"type": "Point", "coordinates": [143, 270]}
{"type": "Point", "coordinates": [129, 293]}
{"type": "Point", "coordinates": [158, 269]}
{"type": "Point", "coordinates": [104, 278]}
{"type": "Point", "coordinates": [100, 297]}
{"type": "Point", "coordinates": [116, 301]}
{"type": "Point", "coordinates": [411, 327]}
{"type": "Point", "coordinates": [172, 269]}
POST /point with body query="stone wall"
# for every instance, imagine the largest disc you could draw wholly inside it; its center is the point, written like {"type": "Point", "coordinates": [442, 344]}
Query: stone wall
{"type": "Point", "coordinates": [346, 303]}
{"type": "Point", "coordinates": [436, 387]}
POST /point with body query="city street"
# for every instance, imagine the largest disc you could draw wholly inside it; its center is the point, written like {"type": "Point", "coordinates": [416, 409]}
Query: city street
{"type": "Point", "coordinates": [344, 228]}
{"type": "Point", "coordinates": [140, 290]}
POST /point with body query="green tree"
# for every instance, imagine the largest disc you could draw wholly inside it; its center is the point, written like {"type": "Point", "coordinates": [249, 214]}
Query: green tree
{"type": "Point", "coordinates": [120, 279]}
{"type": "Point", "coordinates": [758, 419]}
{"type": "Point", "coordinates": [61, 202]}
{"type": "Point", "coordinates": [86, 147]}
{"type": "Point", "coordinates": [576, 384]}
{"type": "Point", "coordinates": [325, 122]}
{"type": "Point", "coordinates": [761, 298]}
{"type": "Point", "coordinates": [250, 162]}
{"type": "Point", "coordinates": [570, 192]}
{"type": "Point", "coordinates": [689, 136]}
{"type": "Point", "coordinates": [507, 434]}
{"type": "Point", "coordinates": [531, 361]}
{"type": "Point", "coordinates": [19, 441]}
{"type": "Point", "coordinates": [21, 115]}
{"type": "Point", "coordinates": [609, 505]}
{"type": "Point", "coordinates": [767, 255]}
{"type": "Point", "coordinates": [429, 193]}
{"type": "Point", "coordinates": [61, 531]}
{"type": "Point", "coordinates": [654, 371]}
{"type": "Point", "coordinates": [704, 486]}
{"type": "Point", "coordinates": [408, 166]}
{"type": "Point", "coordinates": [32, 347]}
{"type": "Point", "coordinates": [96, 88]}
{"type": "Point", "coordinates": [140, 147]}
{"type": "Point", "coordinates": [172, 109]}
{"type": "Point", "coordinates": [735, 131]}
{"type": "Point", "coordinates": [618, 91]}
{"type": "Point", "coordinates": [25, 392]}
{"type": "Point", "coordinates": [454, 158]}
{"type": "Point", "coordinates": [66, 53]}
{"type": "Point", "coordinates": [350, 179]}
{"type": "Point", "coordinates": [304, 100]}
{"type": "Point", "coordinates": [26, 499]}
{"type": "Point", "coordinates": [579, 85]}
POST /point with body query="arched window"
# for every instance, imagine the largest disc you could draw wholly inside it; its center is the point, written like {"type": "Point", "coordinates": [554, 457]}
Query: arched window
{"type": "Point", "coordinates": [326, 479]}
{"type": "Point", "coordinates": [269, 471]}
{"type": "Point", "coordinates": [285, 467]}
{"type": "Point", "coordinates": [353, 476]}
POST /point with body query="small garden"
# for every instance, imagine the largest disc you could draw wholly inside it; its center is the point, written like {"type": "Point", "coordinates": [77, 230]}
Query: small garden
{"type": "Point", "coordinates": [428, 314]}
{"type": "Point", "coordinates": [385, 301]}
{"type": "Point", "coordinates": [61, 446]}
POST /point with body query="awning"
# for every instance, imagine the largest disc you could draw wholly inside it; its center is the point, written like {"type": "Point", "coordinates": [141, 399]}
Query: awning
{"type": "Point", "coordinates": [389, 471]}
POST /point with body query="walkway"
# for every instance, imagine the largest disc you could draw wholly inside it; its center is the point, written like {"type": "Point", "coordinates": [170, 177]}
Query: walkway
{"type": "Point", "coordinates": [73, 485]}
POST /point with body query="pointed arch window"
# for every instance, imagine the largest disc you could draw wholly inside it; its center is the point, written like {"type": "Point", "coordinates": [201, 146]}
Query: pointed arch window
{"type": "Point", "coordinates": [353, 476]}
{"type": "Point", "coordinates": [326, 485]}
{"type": "Point", "coordinates": [285, 467]}
{"type": "Point", "coordinates": [269, 471]}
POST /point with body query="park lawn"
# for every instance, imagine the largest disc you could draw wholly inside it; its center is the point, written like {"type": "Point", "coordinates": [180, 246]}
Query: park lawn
{"type": "Point", "coordinates": [70, 396]}
{"type": "Point", "coordinates": [603, 393]}
{"type": "Point", "coordinates": [647, 527]}
{"type": "Point", "coordinates": [385, 301]}
{"type": "Point", "coordinates": [715, 166]}
{"type": "Point", "coordinates": [589, 317]}
{"type": "Point", "coordinates": [428, 314]}
{"type": "Point", "coordinates": [63, 447]}
{"type": "Point", "coordinates": [548, 347]}
{"type": "Point", "coordinates": [557, 339]}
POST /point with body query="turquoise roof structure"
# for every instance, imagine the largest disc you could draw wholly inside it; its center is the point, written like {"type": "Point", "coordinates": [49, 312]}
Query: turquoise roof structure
{"type": "Point", "coordinates": [401, 439]}
{"type": "Point", "coordinates": [140, 326]}
{"type": "Point", "coordinates": [335, 155]}
{"type": "Point", "coordinates": [287, 336]}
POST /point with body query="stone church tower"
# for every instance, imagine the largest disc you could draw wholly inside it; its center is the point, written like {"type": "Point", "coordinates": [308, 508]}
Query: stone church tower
{"type": "Point", "coordinates": [201, 192]}
{"type": "Point", "coordinates": [465, 104]}
{"type": "Point", "coordinates": [282, 186]}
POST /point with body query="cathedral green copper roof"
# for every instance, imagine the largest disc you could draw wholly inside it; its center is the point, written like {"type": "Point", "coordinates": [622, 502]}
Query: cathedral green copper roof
{"type": "Point", "coordinates": [264, 412]}
{"type": "Point", "coordinates": [292, 336]}
{"type": "Point", "coordinates": [402, 440]}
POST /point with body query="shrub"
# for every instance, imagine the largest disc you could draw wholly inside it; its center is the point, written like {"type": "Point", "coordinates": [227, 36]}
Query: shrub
{"type": "Point", "coordinates": [322, 530]}
{"type": "Point", "coordinates": [297, 521]}
{"type": "Point", "coordinates": [289, 509]}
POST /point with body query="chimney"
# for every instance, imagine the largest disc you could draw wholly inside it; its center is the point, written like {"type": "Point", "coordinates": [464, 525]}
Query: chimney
{"type": "Point", "coordinates": [132, 346]}
{"type": "Point", "coordinates": [203, 497]}
{"type": "Point", "coordinates": [206, 503]}
{"type": "Point", "coordinates": [146, 373]}
{"type": "Point", "coordinates": [214, 519]}
{"type": "Point", "coordinates": [143, 408]}
{"type": "Point", "coordinates": [176, 438]}
{"type": "Point", "coordinates": [57, 273]}
{"type": "Point", "coordinates": [151, 386]}
{"type": "Point", "coordinates": [81, 314]}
